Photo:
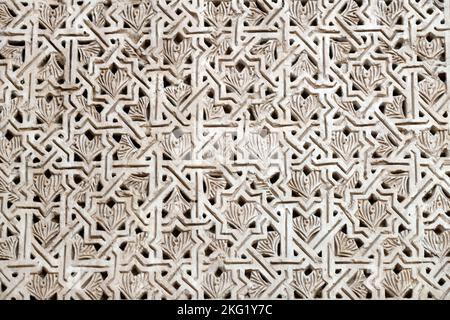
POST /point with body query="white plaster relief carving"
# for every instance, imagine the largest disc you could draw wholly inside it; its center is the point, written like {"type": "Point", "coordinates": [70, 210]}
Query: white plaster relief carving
{"type": "Point", "coordinates": [241, 149]}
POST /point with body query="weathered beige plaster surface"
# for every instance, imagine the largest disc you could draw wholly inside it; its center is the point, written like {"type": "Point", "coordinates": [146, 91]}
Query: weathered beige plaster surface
{"type": "Point", "coordinates": [224, 149]}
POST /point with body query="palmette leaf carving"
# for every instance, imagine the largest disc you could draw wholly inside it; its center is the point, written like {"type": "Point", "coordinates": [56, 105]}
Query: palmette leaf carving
{"type": "Point", "coordinates": [306, 228]}
{"type": "Point", "coordinates": [177, 147]}
{"type": "Point", "coordinates": [386, 145]}
{"type": "Point", "coordinates": [10, 149]}
{"type": "Point", "coordinates": [357, 284]}
{"type": "Point", "coordinates": [398, 181]}
{"type": "Point", "coordinates": [5, 15]}
{"type": "Point", "coordinates": [88, 50]}
{"type": "Point", "coordinates": [305, 184]}
{"type": "Point", "coordinates": [367, 78]}
{"type": "Point", "coordinates": [127, 149]}
{"type": "Point", "coordinates": [308, 282]}
{"type": "Point", "coordinates": [176, 204]}
{"type": "Point", "coordinates": [218, 13]}
{"type": "Point", "coordinates": [137, 245]}
{"type": "Point", "coordinates": [254, 13]}
{"type": "Point", "coordinates": [8, 248]}
{"type": "Point", "coordinates": [176, 246]}
{"type": "Point", "coordinates": [350, 13]}
{"type": "Point", "coordinates": [258, 285]}
{"type": "Point", "coordinates": [395, 109]}
{"type": "Point", "coordinates": [43, 287]}
{"type": "Point", "coordinates": [430, 49]}
{"type": "Point", "coordinates": [219, 248]}
{"type": "Point", "coordinates": [392, 243]}
{"type": "Point", "coordinates": [305, 108]}
{"type": "Point", "coordinates": [372, 215]}
{"type": "Point", "coordinates": [45, 231]}
{"type": "Point", "coordinates": [13, 53]}
{"type": "Point", "coordinates": [214, 184]}
{"type": "Point", "coordinates": [345, 143]}
{"type": "Point", "coordinates": [240, 81]}
{"type": "Point", "coordinates": [176, 52]}
{"type": "Point", "coordinates": [395, 55]}
{"type": "Point", "coordinates": [262, 111]}
{"type": "Point", "coordinates": [439, 201]}
{"type": "Point", "coordinates": [140, 112]}
{"type": "Point", "coordinates": [81, 250]}
{"type": "Point", "coordinates": [111, 217]}
{"type": "Point", "coordinates": [137, 16]}
{"type": "Point", "coordinates": [8, 110]}
{"type": "Point", "coordinates": [87, 186]}
{"type": "Point", "coordinates": [47, 188]}
{"type": "Point", "coordinates": [240, 217]}
{"type": "Point", "coordinates": [303, 13]}
{"type": "Point", "coordinates": [347, 184]}
{"type": "Point", "coordinates": [48, 111]}
{"type": "Point", "coordinates": [87, 148]}
{"type": "Point", "coordinates": [98, 15]}
{"type": "Point", "coordinates": [51, 17]}
{"type": "Point", "coordinates": [138, 184]}
{"type": "Point", "coordinates": [437, 244]}
{"type": "Point", "coordinates": [431, 142]}
{"type": "Point", "coordinates": [214, 111]}
{"type": "Point", "coordinates": [263, 147]}
{"type": "Point", "coordinates": [268, 50]}
{"type": "Point", "coordinates": [344, 245]}
{"type": "Point", "coordinates": [93, 287]}
{"type": "Point", "coordinates": [178, 92]}
{"type": "Point", "coordinates": [341, 50]}
{"type": "Point", "coordinates": [304, 66]}
{"type": "Point", "coordinates": [398, 284]}
{"type": "Point", "coordinates": [52, 68]}
{"type": "Point", "coordinates": [134, 286]}
{"type": "Point", "coordinates": [388, 12]}
{"type": "Point", "coordinates": [431, 89]}
{"type": "Point", "coordinates": [113, 83]}
{"type": "Point", "coordinates": [217, 287]}
{"type": "Point", "coordinates": [269, 246]}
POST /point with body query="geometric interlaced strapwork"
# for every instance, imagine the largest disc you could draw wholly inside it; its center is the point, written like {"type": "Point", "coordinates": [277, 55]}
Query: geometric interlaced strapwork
{"type": "Point", "coordinates": [206, 149]}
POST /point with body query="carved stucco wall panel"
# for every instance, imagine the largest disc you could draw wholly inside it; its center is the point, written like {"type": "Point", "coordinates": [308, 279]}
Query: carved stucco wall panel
{"type": "Point", "coordinates": [224, 149]}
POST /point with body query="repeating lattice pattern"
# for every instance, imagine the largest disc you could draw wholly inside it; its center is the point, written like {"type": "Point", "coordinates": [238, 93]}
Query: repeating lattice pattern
{"type": "Point", "coordinates": [207, 149]}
